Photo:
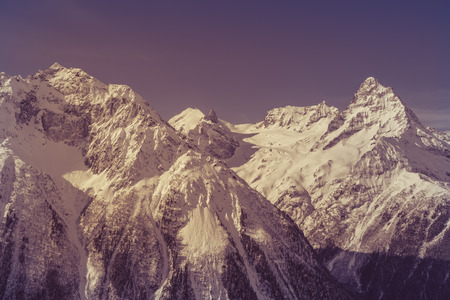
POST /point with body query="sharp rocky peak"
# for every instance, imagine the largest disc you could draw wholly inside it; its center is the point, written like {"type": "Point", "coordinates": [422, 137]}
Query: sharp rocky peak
{"type": "Point", "coordinates": [371, 92]}
{"type": "Point", "coordinates": [369, 82]}
{"type": "Point", "coordinates": [378, 103]}
{"type": "Point", "coordinates": [57, 70]}
{"type": "Point", "coordinates": [57, 66]}
{"type": "Point", "coordinates": [383, 100]}
{"type": "Point", "coordinates": [376, 107]}
{"type": "Point", "coordinates": [211, 116]}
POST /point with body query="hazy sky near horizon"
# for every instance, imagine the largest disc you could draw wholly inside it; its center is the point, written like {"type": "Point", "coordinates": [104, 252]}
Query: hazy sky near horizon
{"type": "Point", "coordinates": [241, 58]}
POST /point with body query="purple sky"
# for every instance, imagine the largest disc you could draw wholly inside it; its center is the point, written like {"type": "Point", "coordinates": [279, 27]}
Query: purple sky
{"type": "Point", "coordinates": [243, 57]}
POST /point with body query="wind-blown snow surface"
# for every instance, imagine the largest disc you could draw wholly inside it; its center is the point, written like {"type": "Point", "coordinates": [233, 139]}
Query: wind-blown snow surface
{"type": "Point", "coordinates": [101, 199]}
{"type": "Point", "coordinates": [369, 186]}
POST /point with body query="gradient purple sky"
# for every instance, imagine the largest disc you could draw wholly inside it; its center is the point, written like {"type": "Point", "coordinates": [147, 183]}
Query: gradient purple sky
{"type": "Point", "coordinates": [243, 57]}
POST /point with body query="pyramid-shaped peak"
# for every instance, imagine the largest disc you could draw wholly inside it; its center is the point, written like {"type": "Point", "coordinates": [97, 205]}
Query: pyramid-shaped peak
{"type": "Point", "coordinates": [322, 105]}
{"type": "Point", "coordinates": [212, 116]}
{"type": "Point", "coordinates": [371, 80]}
{"type": "Point", "coordinates": [377, 104]}
{"type": "Point", "coordinates": [57, 66]}
{"type": "Point", "coordinates": [63, 73]}
{"type": "Point", "coordinates": [369, 84]}
{"type": "Point", "coordinates": [53, 70]}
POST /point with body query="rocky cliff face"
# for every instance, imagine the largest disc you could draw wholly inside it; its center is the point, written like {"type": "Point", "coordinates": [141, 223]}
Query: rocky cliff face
{"type": "Point", "coordinates": [102, 199]}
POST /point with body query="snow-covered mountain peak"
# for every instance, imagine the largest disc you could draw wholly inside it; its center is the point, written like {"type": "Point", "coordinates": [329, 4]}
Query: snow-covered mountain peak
{"type": "Point", "coordinates": [371, 92]}
{"type": "Point", "coordinates": [186, 120]}
{"type": "Point", "coordinates": [80, 88]}
{"type": "Point", "coordinates": [57, 66]}
{"type": "Point", "coordinates": [371, 86]}
{"type": "Point", "coordinates": [110, 124]}
{"type": "Point", "coordinates": [205, 132]}
{"type": "Point", "coordinates": [369, 82]}
{"type": "Point", "coordinates": [63, 73]}
{"type": "Point", "coordinates": [377, 110]}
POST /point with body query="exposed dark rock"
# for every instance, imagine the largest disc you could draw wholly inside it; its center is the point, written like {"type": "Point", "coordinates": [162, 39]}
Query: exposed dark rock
{"type": "Point", "coordinates": [211, 116]}
{"type": "Point", "coordinates": [235, 278]}
{"type": "Point", "coordinates": [258, 258]}
{"type": "Point", "coordinates": [72, 129]}
{"type": "Point", "coordinates": [27, 108]}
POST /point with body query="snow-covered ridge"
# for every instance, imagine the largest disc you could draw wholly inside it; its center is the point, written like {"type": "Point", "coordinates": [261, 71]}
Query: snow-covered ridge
{"type": "Point", "coordinates": [297, 118]}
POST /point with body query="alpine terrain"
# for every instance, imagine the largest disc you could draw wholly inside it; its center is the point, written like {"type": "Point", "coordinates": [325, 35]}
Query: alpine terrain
{"type": "Point", "coordinates": [102, 199]}
{"type": "Point", "coordinates": [369, 186]}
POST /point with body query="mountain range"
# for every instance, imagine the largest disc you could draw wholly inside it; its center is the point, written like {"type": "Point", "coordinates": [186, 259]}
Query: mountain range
{"type": "Point", "coordinates": [100, 198]}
